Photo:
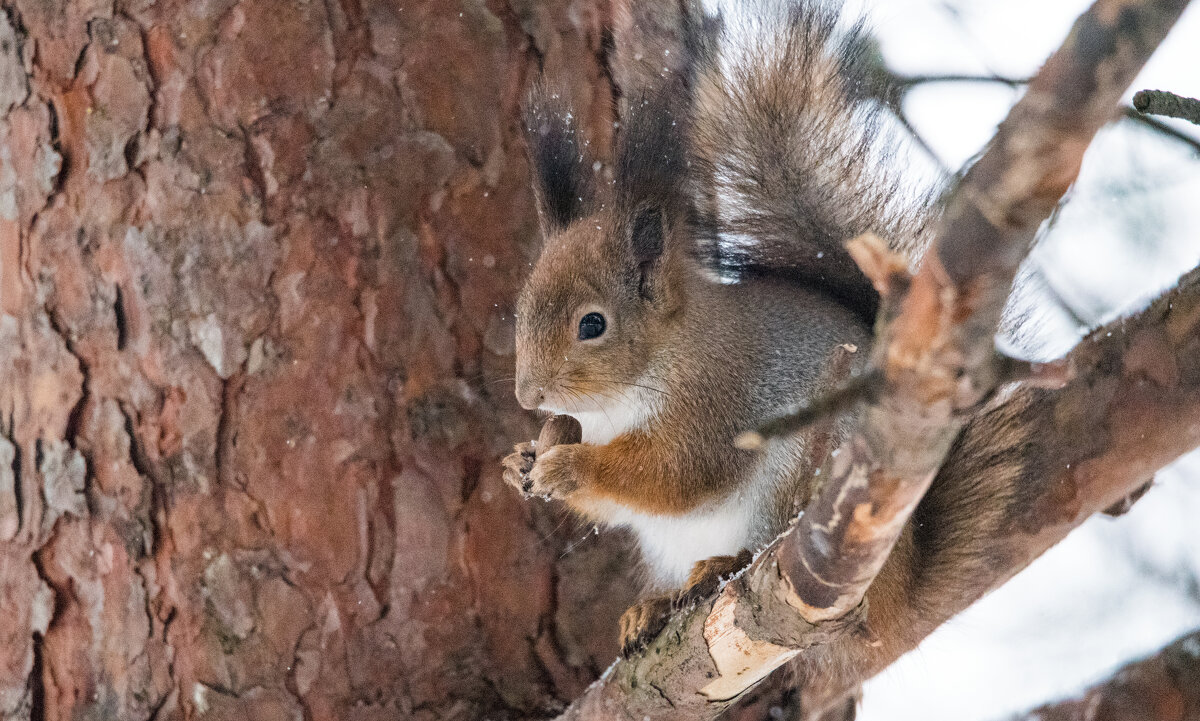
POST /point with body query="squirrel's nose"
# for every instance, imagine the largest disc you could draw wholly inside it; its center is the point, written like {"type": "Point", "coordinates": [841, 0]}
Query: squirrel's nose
{"type": "Point", "coordinates": [529, 393]}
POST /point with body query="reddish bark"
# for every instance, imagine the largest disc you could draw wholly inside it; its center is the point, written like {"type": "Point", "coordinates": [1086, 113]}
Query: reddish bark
{"type": "Point", "coordinates": [257, 262]}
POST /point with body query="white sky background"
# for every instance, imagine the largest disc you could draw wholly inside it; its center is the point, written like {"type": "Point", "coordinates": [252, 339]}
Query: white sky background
{"type": "Point", "coordinates": [1116, 588]}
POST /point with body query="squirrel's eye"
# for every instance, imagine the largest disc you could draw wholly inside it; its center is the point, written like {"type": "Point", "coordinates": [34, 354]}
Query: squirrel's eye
{"type": "Point", "coordinates": [591, 326]}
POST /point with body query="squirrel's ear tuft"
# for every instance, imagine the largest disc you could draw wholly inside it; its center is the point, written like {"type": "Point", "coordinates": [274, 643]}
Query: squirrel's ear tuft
{"type": "Point", "coordinates": [651, 157]}
{"type": "Point", "coordinates": [562, 169]}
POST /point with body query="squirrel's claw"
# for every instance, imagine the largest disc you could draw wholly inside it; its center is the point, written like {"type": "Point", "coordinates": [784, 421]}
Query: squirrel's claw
{"type": "Point", "coordinates": [708, 575]}
{"type": "Point", "coordinates": [517, 466]}
{"type": "Point", "coordinates": [644, 620]}
{"type": "Point", "coordinates": [553, 473]}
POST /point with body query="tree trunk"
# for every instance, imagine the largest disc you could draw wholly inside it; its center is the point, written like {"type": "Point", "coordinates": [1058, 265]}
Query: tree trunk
{"type": "Point", "coordinates": [257, 263]}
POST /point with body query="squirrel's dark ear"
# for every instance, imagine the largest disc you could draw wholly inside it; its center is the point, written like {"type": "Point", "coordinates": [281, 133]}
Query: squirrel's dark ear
{"type": "Point", "coordinates": [651, 178]}
{"type": "Point", "coordinates": [646, 235]}
{"type": "Point", "coordinates": [562, 169]}
{"type": "Point", "coordinates": [647, 239]}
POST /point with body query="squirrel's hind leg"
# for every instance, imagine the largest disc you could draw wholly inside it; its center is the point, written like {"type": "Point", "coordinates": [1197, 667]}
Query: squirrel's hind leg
{"type": "Point", "coordinates": [645, 619]}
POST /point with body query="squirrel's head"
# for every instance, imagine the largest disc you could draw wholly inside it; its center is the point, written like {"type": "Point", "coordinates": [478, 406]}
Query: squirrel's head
{"type": "Point", "coordinates": [600, 302]}
{"type": "Point", "coordinates": [589, 318]}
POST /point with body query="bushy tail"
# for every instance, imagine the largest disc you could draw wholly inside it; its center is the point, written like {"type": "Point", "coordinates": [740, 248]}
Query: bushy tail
{"type": "Point", "coordinates": [790, 161]}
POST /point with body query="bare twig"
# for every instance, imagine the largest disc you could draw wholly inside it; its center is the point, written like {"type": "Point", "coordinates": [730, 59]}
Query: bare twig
{"type": "Point", "coordinates": [901, 84]}
{"type": "Point", "coordinates": [1162, 102]}
{"type": "Point", "coordinates": [858, 389]}
{"type": "Point", "coordinates": [1159, 126]}
{"type": "Point", "coordinates": [908, 81]}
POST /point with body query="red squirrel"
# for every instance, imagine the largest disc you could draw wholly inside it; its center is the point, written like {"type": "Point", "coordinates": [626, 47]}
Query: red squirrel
{"type": "Point", "coordinates": [704, 290]}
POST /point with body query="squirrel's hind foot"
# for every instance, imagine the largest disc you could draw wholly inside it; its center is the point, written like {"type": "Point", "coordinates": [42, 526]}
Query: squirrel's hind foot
{"type": "Point", "coordinates": [644, 620]}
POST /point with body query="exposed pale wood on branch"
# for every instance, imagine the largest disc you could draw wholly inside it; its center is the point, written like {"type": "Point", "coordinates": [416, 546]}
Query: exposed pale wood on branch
{"type": "Point", "coordinates": [939, 365]}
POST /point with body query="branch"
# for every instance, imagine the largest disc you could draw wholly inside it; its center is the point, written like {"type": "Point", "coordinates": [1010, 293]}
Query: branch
{"type": "Point", "coordinates": [896, 86]}
{"type": "Point", "coordinates": [938, 358]}
{"type": "Point", "coordinates": [1163, 687]}
{"type": "Point", "coordinates": [938, 365]}
{"type": "Point", "coordinates": [833, 404]}
{"type": "Point", "coordinates": [1161, 102]}
{"type": "Point", "coordinates": [1045, 460]}
{"type": "Point", "coordinates": [1051, 457]}
{"type": "Point", "coordinates": [909, 81]}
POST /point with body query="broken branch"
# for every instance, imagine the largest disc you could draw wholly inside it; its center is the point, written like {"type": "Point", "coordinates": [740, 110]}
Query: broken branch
{"type": "Point", "coordinates": [1162, 102]}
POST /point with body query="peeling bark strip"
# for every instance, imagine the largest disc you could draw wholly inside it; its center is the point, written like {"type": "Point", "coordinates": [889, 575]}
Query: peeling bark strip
{"type": "Point", "coordinates": [1163, 687]}
{"type": "Point", "coordinates": [939, 366]}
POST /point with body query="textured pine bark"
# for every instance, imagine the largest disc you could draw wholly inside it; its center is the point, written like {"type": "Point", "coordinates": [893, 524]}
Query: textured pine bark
{"type": "Point", "coordinates": [257, 262]}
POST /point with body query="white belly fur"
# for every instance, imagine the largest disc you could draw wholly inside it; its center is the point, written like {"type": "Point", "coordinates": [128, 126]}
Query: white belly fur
{"type": "Point", "coordinates": [671, 545]}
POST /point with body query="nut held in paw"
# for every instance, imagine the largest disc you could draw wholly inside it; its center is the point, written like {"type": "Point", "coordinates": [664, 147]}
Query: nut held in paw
{"type": "Point", "coordinates": [557, 431]}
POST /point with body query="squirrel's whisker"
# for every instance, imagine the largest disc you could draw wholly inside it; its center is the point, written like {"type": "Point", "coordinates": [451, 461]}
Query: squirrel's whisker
{"type": "Point", "coordinates": [617, 381]}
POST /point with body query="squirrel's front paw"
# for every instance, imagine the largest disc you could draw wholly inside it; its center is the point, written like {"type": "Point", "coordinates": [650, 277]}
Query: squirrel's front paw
{"type": "Point", "coordinates": [555, 473]}
{"type": "Point", "coordinates": [518, 464]}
